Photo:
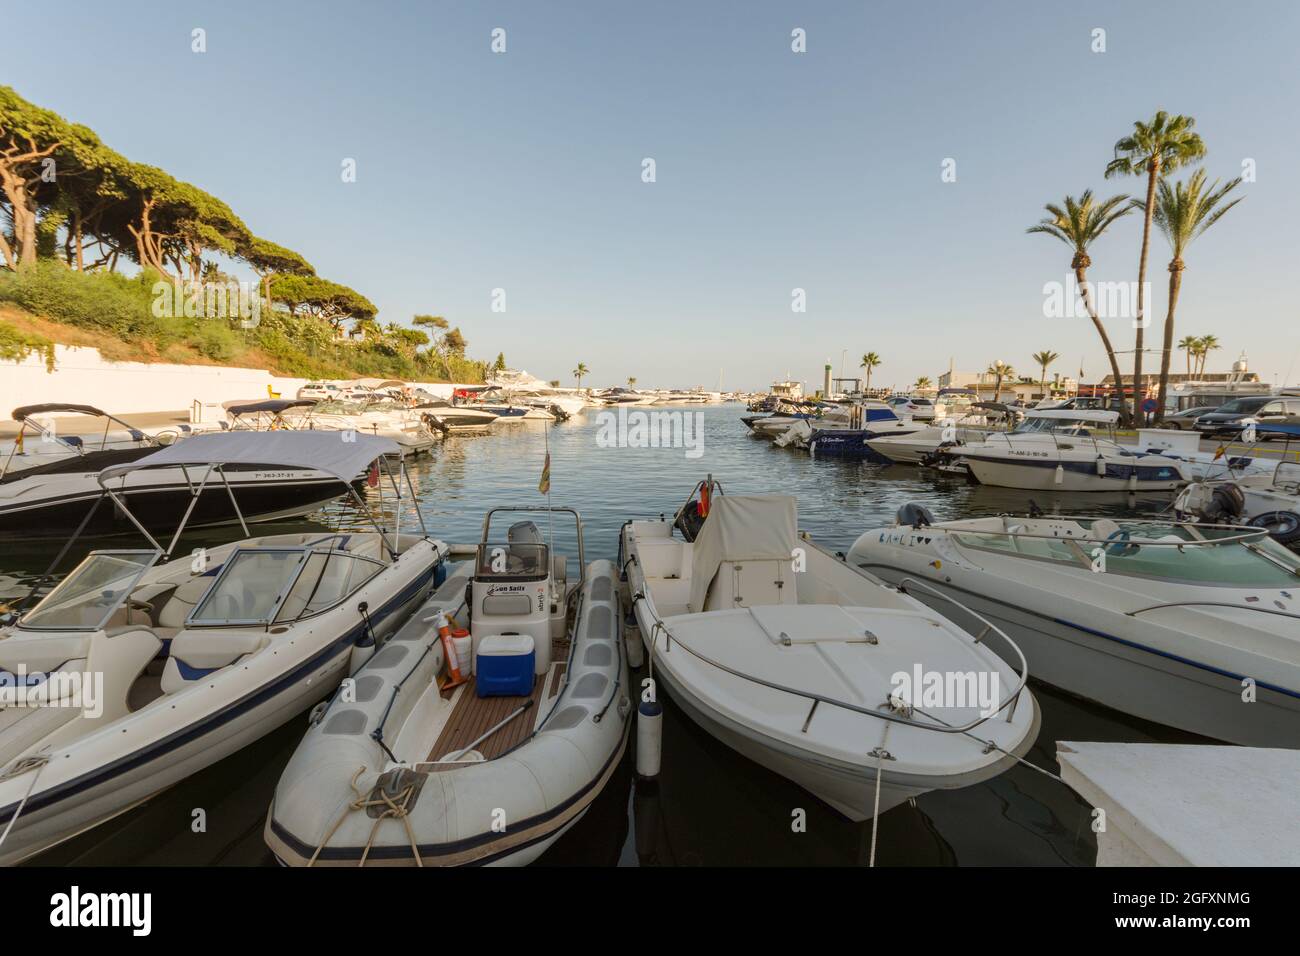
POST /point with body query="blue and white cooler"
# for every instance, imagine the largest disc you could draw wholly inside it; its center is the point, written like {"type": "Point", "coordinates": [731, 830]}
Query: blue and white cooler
{"type": "Point", "coordinates": [503, 665]}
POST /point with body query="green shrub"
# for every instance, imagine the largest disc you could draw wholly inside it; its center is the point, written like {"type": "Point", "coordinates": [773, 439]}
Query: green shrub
{"type": "Point", "coordinates": [298, 345]}
{"type": "Point", "coordinates": [16, 346]}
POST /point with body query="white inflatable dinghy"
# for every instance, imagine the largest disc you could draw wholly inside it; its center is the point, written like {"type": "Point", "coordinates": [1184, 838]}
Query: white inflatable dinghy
{"type": "Point", "coordinates": [400, 768]}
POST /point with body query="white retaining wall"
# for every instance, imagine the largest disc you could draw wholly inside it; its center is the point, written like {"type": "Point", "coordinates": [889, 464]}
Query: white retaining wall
{"type": "Point", "coordinates": [83, 377]}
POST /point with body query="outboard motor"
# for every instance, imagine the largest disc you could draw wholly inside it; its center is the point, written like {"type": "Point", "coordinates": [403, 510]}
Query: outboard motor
{"type": "Point", "coordinates": [918, 516]}
{"type": "Point", "coordinates": [1213, 504]}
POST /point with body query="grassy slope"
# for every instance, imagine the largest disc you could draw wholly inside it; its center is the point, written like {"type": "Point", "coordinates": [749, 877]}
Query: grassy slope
{"type": "Point", "coordinates": [51, 304]}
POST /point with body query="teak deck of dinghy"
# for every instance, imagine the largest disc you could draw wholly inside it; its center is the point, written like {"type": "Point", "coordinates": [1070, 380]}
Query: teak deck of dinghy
{"type": "Point", "coordinates": [474, 716]}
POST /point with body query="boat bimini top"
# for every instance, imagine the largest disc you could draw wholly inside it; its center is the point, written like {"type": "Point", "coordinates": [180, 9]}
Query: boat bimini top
{"type": "Point", "coordinates": [342, 455]}
{"type": "Point", "coordinates": [74, 443]}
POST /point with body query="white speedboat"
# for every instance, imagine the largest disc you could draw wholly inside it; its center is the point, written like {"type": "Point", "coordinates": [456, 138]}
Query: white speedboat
{"type": "Point", "coordinates": [381, 418]}
{"type": "Point", "coordinates": [40, 442]}
{"type": "Point", "coordinates": [1193, 626]}
{"type": "Point", "coordinates": [847, 431]}
{"type": "Point", "coordinates": [136, 670]}
{"type": "Point", "coordinates": [916, 447]}
{"type": "Point", "coordinates": [63, 495]}
{"type": "Point", "coordinates": [1270, 500]}
{"type": "Point", "coordinates": [450, 419]}
{"type": "Point", "coordinates": [490, 771]}
{"type": "Point", "coordinates": [1056, 450]}
{"type": "Point", "coordinates": [802, 662]}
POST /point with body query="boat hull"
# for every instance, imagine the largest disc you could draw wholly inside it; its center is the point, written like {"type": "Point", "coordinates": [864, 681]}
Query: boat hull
{"type": "Point", "coordinates": [1042, 475]}
{"type": "Point", "coordinates": [1094, 663]}
{"type": "Point", "coordinates": [117, 776]}
{"type": "Point", "coordinates": [159, 500]}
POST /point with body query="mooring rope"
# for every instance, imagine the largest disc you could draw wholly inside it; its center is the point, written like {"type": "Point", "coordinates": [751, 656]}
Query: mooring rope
{"type": "Point", "coordinates": [881, 755]}
{"type": "Point", "coordinates": [36, 762]}
{"type": "Point", "coordinates": [399, 807]}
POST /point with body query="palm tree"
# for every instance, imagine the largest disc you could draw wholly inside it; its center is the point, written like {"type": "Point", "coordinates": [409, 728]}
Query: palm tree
{"type": "Point", "coordinates": [1183, 212]}
{"type": "Point", "coordinates": [922, 383]}
{"type": "Point", "coordinates": [1078, 224]}
{"type": "Point", "coordinates": [869, 361]}
{"type": "Point", "coordinates": [1165, 144]}
{"type": "Point", "coordinates": [1000, 370]}
{"type": "Point", "coordinates": [631, 381]}
{"type": "Point", "coordinates": [1190, 345]}
{"type": "Point", "coordinates": [580, 371]}
{"type": "Point", "coordinates": [1208, 344]}
{"type": "Point", "coordinates": [1044, 359]}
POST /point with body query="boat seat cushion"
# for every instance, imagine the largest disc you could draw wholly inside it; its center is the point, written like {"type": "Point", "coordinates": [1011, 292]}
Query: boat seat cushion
{"type": "Point", "coordinates": [181, 603]}
{"type": "Point", "coordinates": [197, 653]}
{"type": "Point", "coordinates": [45, 655]}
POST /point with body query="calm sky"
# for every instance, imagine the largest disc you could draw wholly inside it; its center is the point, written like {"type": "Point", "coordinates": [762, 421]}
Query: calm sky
{"type": "Point", "coordinates": [522, 170]}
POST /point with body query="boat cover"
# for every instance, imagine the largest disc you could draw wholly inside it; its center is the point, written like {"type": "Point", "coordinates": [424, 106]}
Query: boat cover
{"type": "Point", "coordinates": [343, 454]}
{"type": "Point", "coordinates": [742, 528]}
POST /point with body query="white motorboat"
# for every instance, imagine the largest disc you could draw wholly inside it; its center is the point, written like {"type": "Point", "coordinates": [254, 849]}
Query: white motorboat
{"type": "Point", "coordinates": [484, 773]}
{"type": "Point", "coordinates": [382, 418]}
{"type": "Point", "coordinates": [801, 662]}
{"type": "Point", "coordinates": [63, 495]}
{"type": "Point", "coordinates": [266, 414]}
{"type": "Point", "coordinates": [1193, 626]}
{"type": "Point", "coordinates": [917, 447]}
{"type": "Point", "coordinates": [846, 431]}
{"type": "Point", "coordinates": [1270, 501]}
{"type": "Point", "coordinates": [618, 395]}
{"type": "Point", "coordinates": [135, 671]}
{"type": "Point", "coordinates": [783, 416]}
{"type": "Point", "coordinates": [40, 442]}
{"type": "Point", "coordinates": [1055, 450]}
{"type": "Point", "coordinates": [451, 419]}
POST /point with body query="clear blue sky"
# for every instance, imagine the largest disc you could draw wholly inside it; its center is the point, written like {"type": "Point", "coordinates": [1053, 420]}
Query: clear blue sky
{"type": "Point", "coordinates": [775, 170]}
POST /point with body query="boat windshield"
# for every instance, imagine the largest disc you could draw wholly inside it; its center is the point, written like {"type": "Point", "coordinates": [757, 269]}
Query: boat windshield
{"type": "Point", "coordinates": [1208, 556]}
{"type": "Point", "coordinates": [1063, 426]}
{"type": "Point", "coordinates": [517, 561]}
{"type": "Point", "coordinates": [251, 587]}
{"type": "Point", "coordinates": [87, 598]}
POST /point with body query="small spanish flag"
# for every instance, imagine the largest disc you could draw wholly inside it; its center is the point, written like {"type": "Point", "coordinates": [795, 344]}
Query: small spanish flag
{"type": "Point", "coordinates": [544, 486]}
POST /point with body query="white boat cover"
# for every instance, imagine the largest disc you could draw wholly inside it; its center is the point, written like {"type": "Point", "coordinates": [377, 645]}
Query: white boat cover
{"type": "Point", "coordinates": [742, 528]}
{"type": "Point", "coordinates": [339, 453]}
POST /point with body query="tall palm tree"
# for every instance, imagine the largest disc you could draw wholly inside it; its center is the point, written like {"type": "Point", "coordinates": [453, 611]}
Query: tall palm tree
{"type": "Point", "coordinates": [1000, 370]}
{"type": "Point", "coordinates": [1078, 223]}
{"type": "Point", "coordinates": [922, 383]}
{"type": "Point", "coordinates": [631, 381]}
{"type": "Point", "coordinates": [1208, 343]}
{"type": "Point", "coordinates": [1153, 149]}
{"type": "Point", "coordinates": [1190, 345]}
{"type": "Point", "coordinates": [869, 361]}
{"type": "Point", "coordinates": [580, 371]}
{"type": "Point", "coordinates": [1183, 212]}
{"type": "Point", "coordinates": [1044, 359]}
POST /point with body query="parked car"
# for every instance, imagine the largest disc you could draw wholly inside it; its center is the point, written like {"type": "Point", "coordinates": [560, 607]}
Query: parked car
{"type": "Point", "coordinates": [1231, 418]}
{"type": "Point", "coordinates": [1186, 419]}
{"type": "Point", "coordinates": [320, 390]}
